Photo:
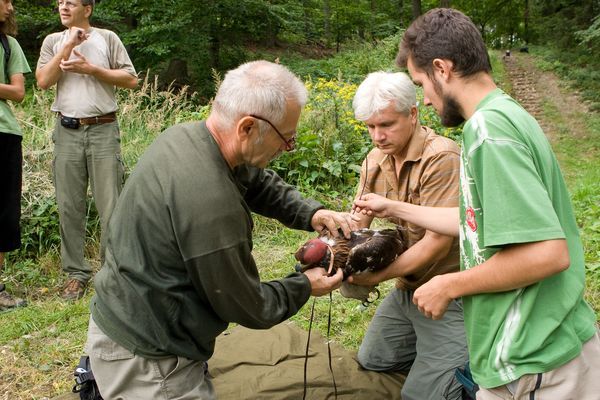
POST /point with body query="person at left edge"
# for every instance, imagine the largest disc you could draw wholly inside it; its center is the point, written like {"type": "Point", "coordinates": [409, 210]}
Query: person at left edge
{"type": "Point", "coordinates": [86, 64]}
{"type": "Point", "coordinates": [179, 263]}
{"type": "Point", "coordinates": [12, 87]}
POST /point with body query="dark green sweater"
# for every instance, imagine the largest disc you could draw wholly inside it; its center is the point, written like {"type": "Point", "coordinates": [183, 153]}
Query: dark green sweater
{"type": "Point", "coordinates": [178, 264]}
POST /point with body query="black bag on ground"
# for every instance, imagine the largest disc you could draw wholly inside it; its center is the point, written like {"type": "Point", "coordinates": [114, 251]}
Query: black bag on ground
{"type": "Point", "coordinates": [85, 383]}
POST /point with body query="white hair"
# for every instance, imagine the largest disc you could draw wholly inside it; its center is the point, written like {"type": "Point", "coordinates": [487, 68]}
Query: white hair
{"type": "Point", "coordinates": [261, 88]}
{"type": "Point", "coordinates": [379, 89]}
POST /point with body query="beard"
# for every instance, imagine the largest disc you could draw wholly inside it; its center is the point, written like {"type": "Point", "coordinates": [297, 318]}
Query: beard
{"type": "Point", "coordinates": [450, 113]}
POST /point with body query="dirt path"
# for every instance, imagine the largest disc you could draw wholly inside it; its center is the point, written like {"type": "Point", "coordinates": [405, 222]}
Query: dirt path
{"type": "Point", "coordinates": [536, 89]}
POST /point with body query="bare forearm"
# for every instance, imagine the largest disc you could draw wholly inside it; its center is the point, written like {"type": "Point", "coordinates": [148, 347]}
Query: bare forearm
{"type": "Point", "coordinates": [15, 90]}
{"type": "Point", "coordinates": [514, 267]}
{"type": "Point", "coordinates": [117, 77]}
{"type": "Point", "coordinates": [430, 249]}
{"type": "Point", "coordinates": [442, 220]}
{"type": "Point", "coordinates": [50, 73]}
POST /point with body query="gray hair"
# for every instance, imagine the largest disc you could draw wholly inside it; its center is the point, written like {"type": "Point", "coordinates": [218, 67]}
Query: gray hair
{"type": "Point", "coordinates": [258, 87]}
{"type": "Point", "coordinates": [379, 89]}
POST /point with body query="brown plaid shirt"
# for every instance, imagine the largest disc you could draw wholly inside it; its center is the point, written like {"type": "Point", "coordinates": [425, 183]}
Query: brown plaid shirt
{"type": "Point", "coordinates": [428, 176]}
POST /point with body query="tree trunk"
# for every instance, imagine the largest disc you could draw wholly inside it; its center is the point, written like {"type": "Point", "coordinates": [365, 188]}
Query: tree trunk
{"type": "Point", "coordinates": [416, 8]}
{"type": "Point", "coordinates": [400, 7]}
{"type": "Point", "coordinates": [307, 28]}
{"type": "Point", "coordinates": [326, 21]}
{"type": "Point", "coordinates": [214, 48]}
{"type": "Point", "coordinates": [526, 23]}
{"type": "Point", "coordinates": [371, 26]}
{"type": "Point", "coordinates": [444, 3]}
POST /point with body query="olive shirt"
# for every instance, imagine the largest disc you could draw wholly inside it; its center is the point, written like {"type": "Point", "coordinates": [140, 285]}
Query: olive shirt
{"type": "Point", "coordinates": [17, 64]}
{"type": "Point", "coordinates": [178, 263]}
{"type": "Point", "coordinates": [428, 176]}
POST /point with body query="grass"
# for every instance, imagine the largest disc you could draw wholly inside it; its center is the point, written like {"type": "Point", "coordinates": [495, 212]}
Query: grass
{"type": "Point", "coordinates": [579, 157]}
{"type": "Point", "coordinates": [41, 344]}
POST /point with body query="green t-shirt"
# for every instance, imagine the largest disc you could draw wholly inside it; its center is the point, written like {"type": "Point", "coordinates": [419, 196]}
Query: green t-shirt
{"type": "Point", "coordinates": [17, 64]}
{"type": "Point", "coordinates": [512, 191]}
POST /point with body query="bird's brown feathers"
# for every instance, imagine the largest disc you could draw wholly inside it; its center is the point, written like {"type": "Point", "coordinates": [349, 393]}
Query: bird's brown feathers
{"type": "Point", "coordinates": [365, 250]}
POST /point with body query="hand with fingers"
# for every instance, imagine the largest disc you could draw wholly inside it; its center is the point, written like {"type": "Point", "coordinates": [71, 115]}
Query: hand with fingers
{"type": "Point", "coordinates": [374, 205]}
{"type": "Point", "coordinates": [333, 220]}
{"type": "Point", "coordinates": [321, 283]}
{"type": "Point", "coordinates": [432, 298]}
{"type": "Point", "coordinates": [78, 65]}
{"type": "Point", "coordinates": [77, 36]}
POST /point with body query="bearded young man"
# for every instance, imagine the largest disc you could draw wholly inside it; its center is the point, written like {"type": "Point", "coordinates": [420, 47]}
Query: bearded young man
{"type": "Point", "coordinates": [530, 332]}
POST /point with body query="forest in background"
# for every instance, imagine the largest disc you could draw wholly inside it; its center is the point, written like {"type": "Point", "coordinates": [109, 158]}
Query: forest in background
{"type": "Point", "coordinates": [187, 41]}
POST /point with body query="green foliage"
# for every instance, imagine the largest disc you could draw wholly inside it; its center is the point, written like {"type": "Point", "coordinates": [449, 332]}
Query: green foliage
{"type": "Point", "coordinates": [500, 21]}
{"type": "Point", "coordinates": [331, 143]}
{"type": "Point", "coordinates": [352, 65]}
{"type": "Point", "coordinates": [591, 35]}
{"type": "Point", "coordinates": [40, 226]}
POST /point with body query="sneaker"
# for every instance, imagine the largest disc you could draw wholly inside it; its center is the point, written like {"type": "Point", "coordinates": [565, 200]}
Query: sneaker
{"type": "Point", "coordinates": [73, 290]}
{"type": "Point", "coordinates": [7, 301]}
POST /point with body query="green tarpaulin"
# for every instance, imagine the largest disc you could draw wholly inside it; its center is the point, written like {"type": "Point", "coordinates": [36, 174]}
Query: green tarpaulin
{"type": "Point", "coordinates": [269, 365]}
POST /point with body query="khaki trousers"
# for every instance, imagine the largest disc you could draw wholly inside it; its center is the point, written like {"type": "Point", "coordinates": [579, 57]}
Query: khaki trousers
{"type": "Point", "coordinates": [578, 379]}
{"type": "Point", "coordinates": [122, 375]}
{"type": "Point", "coordinates": [91, 153]}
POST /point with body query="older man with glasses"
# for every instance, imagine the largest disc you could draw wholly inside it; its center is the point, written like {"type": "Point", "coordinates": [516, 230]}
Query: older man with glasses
{"type": "Point", "coordinates": [86, 64]}
{"type": "Point", "coordinates": [179, 265]}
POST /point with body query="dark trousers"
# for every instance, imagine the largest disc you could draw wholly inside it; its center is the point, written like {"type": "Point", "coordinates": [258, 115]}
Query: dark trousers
{"type": "Point", "coordinates": [11, 176]}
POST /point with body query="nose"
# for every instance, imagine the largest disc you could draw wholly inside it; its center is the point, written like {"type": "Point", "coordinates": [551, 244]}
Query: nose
{"type": "Point", "coordinates": [426, 101]}
{"type": "Point", "coordinates": [377, 134]}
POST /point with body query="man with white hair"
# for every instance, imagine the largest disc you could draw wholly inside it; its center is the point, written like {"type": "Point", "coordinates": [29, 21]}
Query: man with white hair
{"type": "Point", "coordinates": [410, 163]}
{"type": "Point", "coordinates": [178, 264]}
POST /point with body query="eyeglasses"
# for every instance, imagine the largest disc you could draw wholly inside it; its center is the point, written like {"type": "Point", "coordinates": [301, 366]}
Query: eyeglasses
{"type": "Point", "coordinates": [68, 4]}
{"type": "Point", "coordinates": [289, 143]}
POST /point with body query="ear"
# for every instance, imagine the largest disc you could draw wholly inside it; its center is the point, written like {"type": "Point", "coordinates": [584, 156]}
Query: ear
{"type": "Point", "coordinates": [442, 68]}
{"type": "Point", "coordinates": [245, 127]}
{"type": "Point", "coordinates": [88, 12]}
{"type": "Point", "coordinates": [414, 114]}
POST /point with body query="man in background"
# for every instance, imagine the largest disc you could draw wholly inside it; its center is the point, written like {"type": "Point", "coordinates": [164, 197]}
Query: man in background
{"type": "Point", "coordinates": [86, 64]}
